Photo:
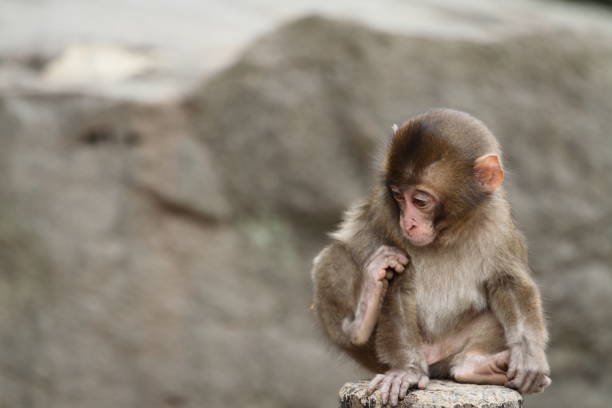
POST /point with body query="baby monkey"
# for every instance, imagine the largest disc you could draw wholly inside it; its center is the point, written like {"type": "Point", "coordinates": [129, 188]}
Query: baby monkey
{"type": "Point", "coordinates": [428, 276]}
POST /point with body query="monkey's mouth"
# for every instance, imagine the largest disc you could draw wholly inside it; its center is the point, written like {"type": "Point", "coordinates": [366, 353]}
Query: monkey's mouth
{"type": "Point", "coordinates": [416, 234]}
{"type": "Point", "coordinates": [419, 239]}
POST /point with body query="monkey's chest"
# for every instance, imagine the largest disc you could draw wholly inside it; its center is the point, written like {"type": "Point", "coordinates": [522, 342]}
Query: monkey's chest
{"type": "Point", "coordinates": [445, 291]}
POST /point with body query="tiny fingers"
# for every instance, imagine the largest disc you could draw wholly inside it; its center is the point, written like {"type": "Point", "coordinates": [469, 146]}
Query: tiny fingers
{"type": "Point", "coordinates": [540, 382]}
{"type": "Point", "coordinates": [375, 382]}
{"type": "Point", "coordinates": [400, 256]}
{"type": "Point", "coordinates": [393, 251]}
{"type": "Point", "coordinates": [394, 385]}
{"type": "Point", "coordinates": [512, 384]}
{"type": "Point", "coordinates": [528, 382]}
{"type": "Point", "coordinates": [395, 389]}
{"type": "Point", "coordinates": [398, 267]}
{"type": "Point", "coordinates": [413, 380]}
{"type": "Point", "coordinates": [543, 383]}
{"type": "Point", "coordinates": [385, 387]}
{"type": "Point", "coordinates": [534, 384]}
{"type": "Point", "coordinates": [393, 264]}
{"type": "Point", "coordinates": [519, 380]}
{"type": "Point", "coordinates": [404, 387]}
{"type": "Point", "coordinates": [381, 274]}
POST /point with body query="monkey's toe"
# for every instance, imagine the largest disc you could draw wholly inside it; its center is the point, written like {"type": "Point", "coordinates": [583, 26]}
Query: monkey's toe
{"type": "Point", "coordinates": [373, 385]}
{"type": "Point", "coordinates": [394, 385]}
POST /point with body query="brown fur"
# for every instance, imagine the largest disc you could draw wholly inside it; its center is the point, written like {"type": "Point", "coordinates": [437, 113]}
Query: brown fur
{"type": "Point", "coordinates": [468, 293]}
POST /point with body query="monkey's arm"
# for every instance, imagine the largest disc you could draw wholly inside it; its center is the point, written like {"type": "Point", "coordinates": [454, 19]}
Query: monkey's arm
{"type": "Point", "coordinates": [515, 300]}
{"type": "Point", "coordinates": [399, 343]}
{"type": "Point", "coordinates": [347, 298]}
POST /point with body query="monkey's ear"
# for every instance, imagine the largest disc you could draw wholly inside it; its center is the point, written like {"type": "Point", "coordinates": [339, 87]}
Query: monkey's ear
{"type": "Point", "coordinates": [394, 128]}
{"type": "Point", "coordinates": [489, 172]}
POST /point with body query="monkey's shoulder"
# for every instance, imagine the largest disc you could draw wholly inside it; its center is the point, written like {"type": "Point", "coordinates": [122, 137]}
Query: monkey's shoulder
{"type": "Point", "coordinates": [355, 222]}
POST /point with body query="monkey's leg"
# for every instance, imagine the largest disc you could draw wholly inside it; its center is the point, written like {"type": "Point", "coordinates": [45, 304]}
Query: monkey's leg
{"type": "Point", "coordinates": [479, 368]}
{"type": "Point", "coordinates": [477, 351]}
{"type": "Point", "coordinates": [471, 333]}
{"type": "Point", "coordinates": [485, 357]}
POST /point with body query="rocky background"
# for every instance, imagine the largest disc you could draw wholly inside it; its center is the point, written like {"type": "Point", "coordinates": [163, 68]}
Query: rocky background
{"type": "Point", "coordinates": [158, 215]}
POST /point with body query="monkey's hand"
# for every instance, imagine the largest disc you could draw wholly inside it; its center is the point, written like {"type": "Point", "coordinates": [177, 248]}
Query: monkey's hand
{"type": "Point", "coordinates": [528, 370]}
{"type": "Point", "coordinates": [394, 384]}
{"type": "Point", "coordinates": [379, 269]}
{"type": "Point", "coordinates": [384, 262]}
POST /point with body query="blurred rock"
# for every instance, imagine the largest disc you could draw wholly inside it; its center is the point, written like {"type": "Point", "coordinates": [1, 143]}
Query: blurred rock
{"type": "Point", "coordinates": [307, 105]}
{"type": "Point", "coordinates": [83, 63]}
{"type": "Point", "coordinates": [125, 278]}
{"type": "Point", "coordinates": [159, 255]}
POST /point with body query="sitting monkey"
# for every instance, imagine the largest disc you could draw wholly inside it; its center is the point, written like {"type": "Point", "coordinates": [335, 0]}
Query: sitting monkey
{"type": "Point", "coordinates": [428, 276]}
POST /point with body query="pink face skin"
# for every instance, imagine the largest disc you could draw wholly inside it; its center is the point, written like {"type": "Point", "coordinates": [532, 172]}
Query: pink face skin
{"type": "Point", "coordinates": [417, 208]}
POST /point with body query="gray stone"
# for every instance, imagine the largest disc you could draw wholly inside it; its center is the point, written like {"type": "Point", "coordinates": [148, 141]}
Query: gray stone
{"type": "Point", "coordinates": [159, 255]}
{"type": "Point", "coordinates": [313, 101]}
{"type": "Point", "coordinates": [438, 394]}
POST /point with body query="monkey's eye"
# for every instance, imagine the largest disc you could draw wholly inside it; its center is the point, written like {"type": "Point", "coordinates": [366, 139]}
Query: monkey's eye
{"type": "Point", "coordinates": [421, 199]}
{"type": "Point", "coordinates": [397, 194]}
{"type": "Point", "coordinates": [419, 203]}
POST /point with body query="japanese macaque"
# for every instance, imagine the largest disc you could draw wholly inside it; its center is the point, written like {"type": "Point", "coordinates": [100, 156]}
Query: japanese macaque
{"type": "Point", "coordinates": [428, 276]}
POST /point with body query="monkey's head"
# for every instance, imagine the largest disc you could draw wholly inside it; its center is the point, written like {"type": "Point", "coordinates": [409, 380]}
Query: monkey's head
{"type": "Point", "coordinates": [440, 167]}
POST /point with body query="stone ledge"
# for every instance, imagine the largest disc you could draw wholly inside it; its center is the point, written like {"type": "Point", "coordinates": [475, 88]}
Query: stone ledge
{"type": "Point", "coordinates": [439, 394]}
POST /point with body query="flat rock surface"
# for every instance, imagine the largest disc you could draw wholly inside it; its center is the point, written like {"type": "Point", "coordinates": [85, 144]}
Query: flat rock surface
{"type": "Point", "coordinates": [439, 394]}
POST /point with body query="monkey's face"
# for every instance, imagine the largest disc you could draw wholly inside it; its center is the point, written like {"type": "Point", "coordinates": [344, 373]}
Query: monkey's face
{"type": "Point", "coordinates": [417, 208]}
{"type": "Point", "coordinates": [439, 168]}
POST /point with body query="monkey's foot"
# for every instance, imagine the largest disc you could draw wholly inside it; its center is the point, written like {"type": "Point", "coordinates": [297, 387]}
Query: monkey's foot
{"type": "Point", "coordinates": [493, 369]}
{"type": "Point", "coordinates": [483, 369]}
{"type": "Point", "coordinates": [394, 384]}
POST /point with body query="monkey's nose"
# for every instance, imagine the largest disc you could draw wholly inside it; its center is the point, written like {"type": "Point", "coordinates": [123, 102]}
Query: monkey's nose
{"type": "Point", "coordinates": [411, 230]}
